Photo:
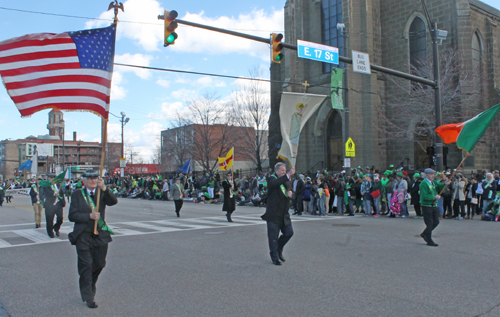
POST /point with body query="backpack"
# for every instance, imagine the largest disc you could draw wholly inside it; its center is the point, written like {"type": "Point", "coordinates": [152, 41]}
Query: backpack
{"type": "Point", "coordinates": [394, 205]}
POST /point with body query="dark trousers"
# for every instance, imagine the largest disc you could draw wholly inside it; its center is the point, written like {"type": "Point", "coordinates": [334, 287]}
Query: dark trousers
{"type": "Point", "coordinates": [300, 206]}
{"type": "Point", "coordinates": [49, 218]}
{"type": "Point", "coordinates": [447, 208]}
{"type": "Point", "coordinates": [417, 209]}
{"type": "Point", "coordinates": [165, 195]}
{"type": "Point", "coordinates": [91, 261]}
{"type": "Point", "coordinates": [431, 220]}
{"type": "Point", "coordinates": [1, 199]}
{"type": "Point", "coordinates": [178, 205]}
{"type": "Point", "coordinates": [276, 244]}
{"type": "Point", "coordinates": [456, 205]}
{"type": "Point", "coordinates": [471, 208]}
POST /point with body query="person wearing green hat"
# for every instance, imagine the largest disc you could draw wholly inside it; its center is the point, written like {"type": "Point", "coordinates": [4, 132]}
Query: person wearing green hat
{"type": "Point", "coordinates": [415, 195]}
{"type": "Point", "coordinates": [91, 248]}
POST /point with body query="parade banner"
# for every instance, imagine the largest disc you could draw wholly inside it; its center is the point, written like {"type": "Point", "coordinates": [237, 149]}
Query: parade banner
{"type": "Point", "coordinates": [43, 149]}
{"type": "Point", "coordinates": [295, 110]}
{"type": "Point", "coordinates": [337, 83]}
{"type": "Point", "coordinates": [19, 191]}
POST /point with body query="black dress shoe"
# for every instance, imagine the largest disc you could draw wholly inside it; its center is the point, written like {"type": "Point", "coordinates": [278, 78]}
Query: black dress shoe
{"type": "Point", "coordinates": [295, 213]}
{"type": "Point", "coordinates": [178, 214]}
{"type": "Point", "coordinates": [51, 236]}
{"type": "Point", "coordinates": [423, 237]}
{"type": "Point", "coordinates": [57, 232]}
{"type": "Point", "coordinates": [37, 226]}
{"type": "Point", "coordinates": [277, 262]}
{"type": "Point", "coordinates": [92, 304]}
{"type": "Point", "coordinates": [281, 257]}
{"type": "Point", "coordinates": [432, 244]}
{"type": "Point", "coordinates": [229, 218]}
{"type": "Point", "coordinates": [351, 215]}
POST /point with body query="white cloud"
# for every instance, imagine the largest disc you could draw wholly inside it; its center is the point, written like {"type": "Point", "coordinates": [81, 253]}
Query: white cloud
{"type": "Point", "coordinates": [163, 82]}
{"type": "Point", "coordinates": [184, 94]}
{"type": "Point", "coordinates": [135, 59]}
{"type": "Point", "coordinates": [191, 39]}
{"type": "Point", "coordinates": [203, 41]}
{"type": "Point", "coordinates": [148, 36]}
{"type": "Point", "coordinates": [169, 110]}
{"type": "Point", "coordinates": [117, 91]}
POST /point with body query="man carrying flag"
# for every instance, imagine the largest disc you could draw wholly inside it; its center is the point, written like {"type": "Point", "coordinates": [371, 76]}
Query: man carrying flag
{"type": "Point", "coordinates": [91, 249]}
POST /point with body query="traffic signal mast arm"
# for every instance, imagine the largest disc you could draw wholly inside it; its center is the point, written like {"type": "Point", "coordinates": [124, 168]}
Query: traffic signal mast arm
{"type": "Point", "coordinates": [343, 59]}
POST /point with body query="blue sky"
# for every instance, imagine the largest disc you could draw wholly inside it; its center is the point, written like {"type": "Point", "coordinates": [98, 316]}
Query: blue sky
{"type": "Point", "coordinates": [149, 98]}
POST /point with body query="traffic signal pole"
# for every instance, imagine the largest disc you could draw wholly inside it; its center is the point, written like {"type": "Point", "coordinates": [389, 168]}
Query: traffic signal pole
{"type": "Point", "coordinates": [266, 40]}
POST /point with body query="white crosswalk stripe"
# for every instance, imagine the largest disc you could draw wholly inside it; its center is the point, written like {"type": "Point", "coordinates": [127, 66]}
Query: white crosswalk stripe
{"type": "Point", "coordinates": [15, 238]}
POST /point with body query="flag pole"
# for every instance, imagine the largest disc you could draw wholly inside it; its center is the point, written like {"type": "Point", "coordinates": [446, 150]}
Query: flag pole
{"type": "Point", "coordinates": [104, 123]}
{"type": "Point", "coordinates": [453, 175]}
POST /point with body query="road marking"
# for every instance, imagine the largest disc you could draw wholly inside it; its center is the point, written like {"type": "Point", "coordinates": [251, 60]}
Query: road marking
{"type": "Point", "coordinates": [21, 206]}
{"type": "Point", "coordinates": [122, 229]}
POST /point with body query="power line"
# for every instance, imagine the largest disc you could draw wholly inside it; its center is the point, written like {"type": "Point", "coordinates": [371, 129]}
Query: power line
{"type": "Point", "coordinates": [109, 20]}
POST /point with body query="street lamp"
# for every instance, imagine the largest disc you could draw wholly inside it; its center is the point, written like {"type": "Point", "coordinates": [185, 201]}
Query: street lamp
{"type": "Point", "coordinates": [124, 122]}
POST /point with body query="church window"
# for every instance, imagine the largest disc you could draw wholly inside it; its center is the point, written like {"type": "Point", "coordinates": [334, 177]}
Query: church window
{"type": "Point", "coordinates": [418, 47]}
{"type": "Point", "coordinates": [331, 15]}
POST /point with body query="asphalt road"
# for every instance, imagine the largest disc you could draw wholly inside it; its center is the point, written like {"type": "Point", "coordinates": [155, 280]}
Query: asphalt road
{"type": "Point", "coordinates": [200, 265]}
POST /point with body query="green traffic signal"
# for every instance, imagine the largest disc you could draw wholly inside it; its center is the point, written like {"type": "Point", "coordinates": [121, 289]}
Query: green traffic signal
{"type": "Point", "coordinates": [278, 58]}
{"type": "Point", "coordinates": [171, 38]}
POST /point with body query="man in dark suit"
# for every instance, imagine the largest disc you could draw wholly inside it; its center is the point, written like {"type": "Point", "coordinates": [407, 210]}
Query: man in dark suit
{"type": "Point", "coordinates": [53, 203]}
{"type": "Point", "coordinates": [277, 216]}
{"type": "Point", "coordinates": [91, 248]}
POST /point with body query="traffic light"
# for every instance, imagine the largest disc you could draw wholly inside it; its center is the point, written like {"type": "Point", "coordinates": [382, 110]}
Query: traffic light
{"type": "Point", "coordinates": [277, 46]}
{"type": "Point", "coordinates": [170, 26]}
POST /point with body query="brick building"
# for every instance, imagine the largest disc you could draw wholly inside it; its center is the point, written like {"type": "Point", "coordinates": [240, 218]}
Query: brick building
{"type": "Point", "coordinates": [395, 34]}
{"type": "Point", "coordinates": [71, 153]}
{"type": "Point", "coordinates": [203, 144]}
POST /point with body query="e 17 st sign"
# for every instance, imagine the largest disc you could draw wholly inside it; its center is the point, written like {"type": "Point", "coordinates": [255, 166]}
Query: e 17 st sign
{"type": "Point", "coordinates": [318, 52]}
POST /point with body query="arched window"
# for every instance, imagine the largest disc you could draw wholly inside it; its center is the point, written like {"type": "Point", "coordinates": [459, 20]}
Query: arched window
{"type": "Point", "coordinates": [418, 46]}
{"type": "Point", "coordinates": [477, 52]}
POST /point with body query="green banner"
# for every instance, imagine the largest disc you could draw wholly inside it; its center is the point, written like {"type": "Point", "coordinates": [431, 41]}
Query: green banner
{"type": "Point", "coordinates": [337, 92]}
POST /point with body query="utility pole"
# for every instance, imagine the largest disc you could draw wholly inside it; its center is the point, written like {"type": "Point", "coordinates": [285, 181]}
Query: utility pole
{"type": "Point", "coordinates": [124, 122]}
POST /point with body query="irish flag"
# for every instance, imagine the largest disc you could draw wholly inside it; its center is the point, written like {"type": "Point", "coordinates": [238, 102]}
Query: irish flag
{"type": "Point", "coordinates": [467, 134]}
{"type": "Point", "coordinates": [226, 162]}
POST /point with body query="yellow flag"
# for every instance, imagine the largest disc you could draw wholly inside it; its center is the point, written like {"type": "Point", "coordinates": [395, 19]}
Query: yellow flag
{"type": "Point", "coordinates": [227, 161]}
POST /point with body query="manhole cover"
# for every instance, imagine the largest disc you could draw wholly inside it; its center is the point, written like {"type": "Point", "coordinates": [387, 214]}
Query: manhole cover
{"type": "Point", "coordinates": [345, 225]}
{"type": "Point", "coordinates": [214, 232]}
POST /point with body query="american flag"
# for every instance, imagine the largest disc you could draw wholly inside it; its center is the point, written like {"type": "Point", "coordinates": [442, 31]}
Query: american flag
{"type": "Point", "coordinates": [67, 71]}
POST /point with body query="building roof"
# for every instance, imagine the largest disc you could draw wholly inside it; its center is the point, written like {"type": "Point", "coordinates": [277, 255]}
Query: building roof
{"type": "Point", "coordinates": [483, 6]}
{"type": "Point", "coordinates": [55, 110]}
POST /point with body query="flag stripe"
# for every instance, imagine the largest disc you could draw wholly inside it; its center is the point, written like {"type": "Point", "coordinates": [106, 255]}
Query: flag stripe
{"type": "Point", "coordinates": [39, 62]}
{"type": "Point", "coordinates": [24, 41]}
{"type": "Point", "coordinates": [66, 106]}
{"type": "Point", "coordinates": [57, 79]}
{"type": "Point", "coordinates": [60, 93]}
{"type": "Point", "coordinates": [59, 72]}
{"type": "Point", "coordinates": [30, 49]}
{"type": "Point", "coordinates": [61, 101]}
{"type": "Point", "coordinates": [27, 70]}
{"type": "Point", "coordinates": [58, 87]}
{"type": "Point", "coordinates": [34, 56]}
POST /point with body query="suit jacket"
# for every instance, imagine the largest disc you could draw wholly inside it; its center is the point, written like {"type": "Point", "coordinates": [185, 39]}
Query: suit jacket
{"type": "Point", "coordinates": [52, 202]}
{"type": "Point", "coordinates": [79, 212]}
{"type": "Point", "coordinates": [176, 192]}
{"type": "Point", "coordinates": [277, 202]}
{"type": "Point", "coordinates": [301, 186]}
{"type": "Point", "coordinates": [229, 202]}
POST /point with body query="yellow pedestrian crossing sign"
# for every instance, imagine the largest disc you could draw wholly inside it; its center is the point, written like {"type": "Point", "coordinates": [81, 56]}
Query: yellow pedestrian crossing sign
{"type": "Point", "coordinates": [350, 148]}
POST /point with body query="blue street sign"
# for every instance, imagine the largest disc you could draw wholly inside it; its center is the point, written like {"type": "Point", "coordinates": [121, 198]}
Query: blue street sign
{"type": "Point", "coordinates": [318, 52]}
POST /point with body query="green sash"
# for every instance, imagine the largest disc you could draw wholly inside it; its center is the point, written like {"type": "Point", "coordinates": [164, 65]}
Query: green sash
{"type": "Point", "coordinates": [283, 189]}
{"type": "Point", "coordinates": [100, 223]}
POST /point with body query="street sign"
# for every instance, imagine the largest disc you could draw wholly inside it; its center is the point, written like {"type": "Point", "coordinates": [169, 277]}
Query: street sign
{"type": "Point", "coordinates": [361, 63]}
{"type": "Point", "coordinates": [123, 162]}
{"type": "Point", "coordinates": [350, 148]}
{"type": "Point", "coordinates": [347, 163]}
{"type": "Point", "coordinates": [318, 52]}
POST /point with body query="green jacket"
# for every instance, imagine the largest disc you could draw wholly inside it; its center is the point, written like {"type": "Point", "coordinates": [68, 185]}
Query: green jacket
{"type": "Point", "coordinates": [428, 193]}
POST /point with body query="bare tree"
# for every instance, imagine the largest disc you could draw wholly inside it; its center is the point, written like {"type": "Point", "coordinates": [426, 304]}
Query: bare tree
{"type": "Point", "coordinates": [251, 107]}
{"type": "Point", "coordinates": [155, 157]}
{"type": "Point", "coordinates": [212, 128]}
{"type": "Point", "coordinates": [177, 143]}
{"type": "Point", "coordinates": [409, 115]}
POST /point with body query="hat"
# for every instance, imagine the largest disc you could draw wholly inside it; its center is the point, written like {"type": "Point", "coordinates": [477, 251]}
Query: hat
{"type": "Point", "coordinates": [391, 166]}
{"type": "Point", "coordinates": [429, 171]}
{"type": "Point", "coordinates": [387, 173]}
{"type": "Point", "coordinates": [178, 178]}
{"type": "Point", "coordinates": [79, 185]}
{"type": "Point", "coordinates": [343, 171]}
{"type": "Point", "coordinates": [405, 173]}
{"type": "Point", "coordinates": [90, 174]}
{"type": "Point", "coordinates": [400, 174]}
{"type": "Point", "coordinates": [416, 175]}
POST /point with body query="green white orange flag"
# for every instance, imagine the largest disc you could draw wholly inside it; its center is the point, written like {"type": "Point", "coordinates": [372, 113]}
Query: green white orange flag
{"type": "Point", "coordinates": [467, 134]}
